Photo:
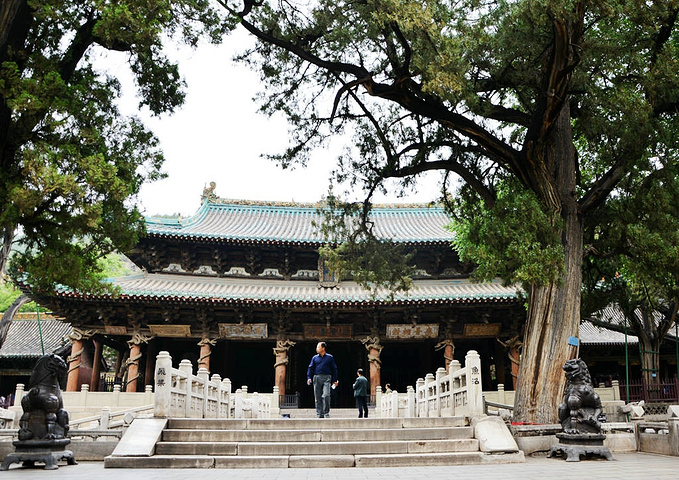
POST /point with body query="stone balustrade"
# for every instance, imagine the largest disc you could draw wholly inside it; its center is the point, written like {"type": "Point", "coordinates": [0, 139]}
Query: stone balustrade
{"type": "Point", "coordinates": [456, 393]}
{"type": "Point", "coordinates": [181, 394]}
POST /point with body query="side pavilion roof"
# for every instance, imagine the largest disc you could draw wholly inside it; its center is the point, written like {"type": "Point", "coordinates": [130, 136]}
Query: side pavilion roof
{"type": "Point", "coordinates": [276, 222]}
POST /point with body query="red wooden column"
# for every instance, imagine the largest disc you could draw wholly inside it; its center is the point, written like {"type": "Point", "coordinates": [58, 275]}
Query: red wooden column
{"type": "Point", "coordinates": [372, 344]}
{"type": "Point", "coordinates": [513, 346]}
{"type": "Point", "coordinates": [78, 338]}
{"type": "Point", "coordinates": [205, 345]}
{"type": "Point", "coordinates": [96, 364]}
{"type": "Point", "coordinates": [448, 348]}
{"type": "Point", "coordinates": [133, 361]}
{"type": "Point", "coordinates": [281, 366]}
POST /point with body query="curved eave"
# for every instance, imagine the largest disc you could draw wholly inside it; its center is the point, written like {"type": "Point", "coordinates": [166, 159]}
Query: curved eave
{"type": "Point", "coordinates": [273, 302]}
{"type": "Point", "coordinates": [273, 241]}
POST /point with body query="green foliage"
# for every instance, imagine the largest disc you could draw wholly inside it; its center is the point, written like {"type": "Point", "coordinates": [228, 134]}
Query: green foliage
{"type": "Point", "coordinates": [72, 164]}
{"type": "Point", "coordinates": [9, 293]}
{"type": "Point", "coordinates": [354, 251]}
{"type": "Point", "coordinates": [513, 239]}
{"type": "Point", "coordinates": [474, 90]}
{"type": "Point", "coordinates": [636, 263]}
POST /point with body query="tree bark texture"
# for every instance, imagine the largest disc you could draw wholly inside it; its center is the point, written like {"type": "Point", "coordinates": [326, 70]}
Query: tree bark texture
{"type": "Point", "coordinates": [554, 309]}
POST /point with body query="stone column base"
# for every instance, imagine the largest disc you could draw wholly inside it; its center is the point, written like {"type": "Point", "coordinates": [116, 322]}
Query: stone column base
{"type": "Point", "coordinates": [48, 452]}
{"type": "Point", "coordinates": [575, 445]}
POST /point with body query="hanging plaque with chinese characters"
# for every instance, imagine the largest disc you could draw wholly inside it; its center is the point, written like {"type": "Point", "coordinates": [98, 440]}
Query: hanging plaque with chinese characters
{"type": "Point", "coordinates": [406, 330]}
{"type": "Point", "coordinates": [243, 330]}
{"type": "Point", "coordinates": [321, 332]}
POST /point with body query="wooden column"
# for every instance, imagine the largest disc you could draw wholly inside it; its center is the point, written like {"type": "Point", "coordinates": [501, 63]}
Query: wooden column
{"type": "Point", "coordinates": [96, 365]}
{"type": "Point", "coordinates": [132, 363]}
{"type": "Point", "coordinates": [372, 344]}
{"type": "Point", "coordinates": [513, 346]}
{"type": "Point", "coordinates": [281, 365]}
{"type": "Point", "coordinates": [448, 348]}
{"type": "Point", "coordinates": [205, 345]}
{"type": "Point", "coordinates": [150, 363]}
{"type": "Point", "coordinates": [78, 338]}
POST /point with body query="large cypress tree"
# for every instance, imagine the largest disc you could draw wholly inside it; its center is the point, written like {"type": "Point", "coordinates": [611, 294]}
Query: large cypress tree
{"type": "Point", "coordinates": [537, 111]}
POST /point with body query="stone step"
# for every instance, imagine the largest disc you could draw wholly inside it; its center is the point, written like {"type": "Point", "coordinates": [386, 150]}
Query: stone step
{"type": "Point", "coordinates": [316, 448]}
{"type": "Point", "coordinates": [311, 461]}
{"type": "Point", "coordinates": [317, 434]}
{"type": "Point", "coordinates": [313, 423]}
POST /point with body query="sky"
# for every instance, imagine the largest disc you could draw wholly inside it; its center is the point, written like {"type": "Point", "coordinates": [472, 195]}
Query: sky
{"type": "Point", "coordinates": [218, 136]}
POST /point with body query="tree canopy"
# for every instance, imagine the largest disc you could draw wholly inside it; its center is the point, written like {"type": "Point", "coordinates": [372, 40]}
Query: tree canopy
{"type": "Point", "coordinates": [71, 163]}
{"type": "Point", "coordinates": [537, 112]}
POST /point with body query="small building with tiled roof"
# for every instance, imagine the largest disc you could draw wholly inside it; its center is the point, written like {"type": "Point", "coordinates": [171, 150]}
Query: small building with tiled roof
{"type": "Point", "coordinates": [240, 289]}
{"type": "Point", "coordinates": [27, 338]}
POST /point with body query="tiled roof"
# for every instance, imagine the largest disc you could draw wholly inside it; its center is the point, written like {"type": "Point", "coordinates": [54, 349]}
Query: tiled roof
{"type": "Point", "coordinates": [23, 338]}
{"type": "Point", "coordinates": [591, 334]}
{"type": "Point", "coordinates": [266, 291]}
{"type": "Point", "coordinates": [297, 223]}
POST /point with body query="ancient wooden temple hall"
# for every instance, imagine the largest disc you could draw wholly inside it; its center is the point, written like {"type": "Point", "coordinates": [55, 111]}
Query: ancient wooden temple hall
{"type": "Point", "coordinates": [240, 289]}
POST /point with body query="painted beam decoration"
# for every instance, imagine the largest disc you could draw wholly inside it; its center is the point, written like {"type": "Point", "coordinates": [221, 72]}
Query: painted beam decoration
{"type": "Point", "coordinates": [322, 332]}
{"type": "Point", "coordinates": [175, 331]}
{"type": "Point", "coordinates": [243, 330]}
{"type": "Point", "coordinates": [407, 330]}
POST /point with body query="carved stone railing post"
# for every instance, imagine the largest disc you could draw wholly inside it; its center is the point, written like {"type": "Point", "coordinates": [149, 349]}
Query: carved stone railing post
{"type": "Point", "coordinates": [162, 398]}
{"type": "Point", "coordinates": [472, 363]}
{"type": "Point", "coordinates": [204, 376]}
{"type": "Point", "coordinates": [187, 372]}
{"type": "Point", "coordinates": [411, 410]}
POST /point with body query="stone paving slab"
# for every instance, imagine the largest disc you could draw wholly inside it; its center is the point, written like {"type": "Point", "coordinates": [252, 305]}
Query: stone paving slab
{"type": "Point", "coordinates": [629, 466]}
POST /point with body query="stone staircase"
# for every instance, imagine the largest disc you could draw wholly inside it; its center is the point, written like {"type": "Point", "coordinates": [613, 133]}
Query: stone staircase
{"type": "Point", "coordinates": [302, 442]}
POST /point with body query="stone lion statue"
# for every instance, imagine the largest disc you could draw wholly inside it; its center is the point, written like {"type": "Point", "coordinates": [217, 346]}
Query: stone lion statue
{"type": "Point", "coordinates": [579, 412]}
{"type": "Point", "coordinates": [44, 416]}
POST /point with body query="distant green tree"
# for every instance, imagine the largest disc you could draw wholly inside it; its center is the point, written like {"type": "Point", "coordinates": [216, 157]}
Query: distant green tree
{"type": "Point", "coordinates": [71, 163]}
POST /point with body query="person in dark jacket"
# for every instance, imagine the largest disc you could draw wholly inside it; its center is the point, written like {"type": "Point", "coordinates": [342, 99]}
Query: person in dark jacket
{"type": "Point", "coordinates": [361, 394]}
{"type": "Point", "coordinates": [322, 372]}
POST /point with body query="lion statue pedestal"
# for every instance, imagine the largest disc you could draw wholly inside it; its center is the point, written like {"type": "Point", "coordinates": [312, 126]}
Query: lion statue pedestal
{"type": "Point", "coordinates": [579, 416]}
{"type": "Point", "coordinates": [44, 423]}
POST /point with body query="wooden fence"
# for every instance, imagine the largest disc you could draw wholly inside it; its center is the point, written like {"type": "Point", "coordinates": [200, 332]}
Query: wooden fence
{"type": "Point", "coordinates": [665, 391]}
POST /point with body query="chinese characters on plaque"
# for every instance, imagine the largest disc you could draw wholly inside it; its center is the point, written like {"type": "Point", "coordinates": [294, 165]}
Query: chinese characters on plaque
{"type": "Point", "coordinates": [406, 330]}
{"type": "Point", "coordinates": [243, 330]}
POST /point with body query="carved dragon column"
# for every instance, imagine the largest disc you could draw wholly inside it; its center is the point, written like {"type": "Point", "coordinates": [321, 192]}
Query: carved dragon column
{"type": "Point", "coordinates": [372, 344]}
{"type": "Point", "coordinates": [513, 346]}
{"type": "Point", "coordinates": [281, 365]}
{"type": "Point", "coordinates": [78, 338]}
{"type": "Point", "coordinates": [448, 347]}
{"type": "Point", "coordinates": [206, 345]}
{"type": "Point", "coordinates": [132, 364]}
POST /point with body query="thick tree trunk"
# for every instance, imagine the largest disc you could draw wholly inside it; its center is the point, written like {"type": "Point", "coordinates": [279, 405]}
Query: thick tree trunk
{"type": "Point", "coordinates": [5, 248]}
{"type": "Point", "coordinates": [553, 316]}
{"type": "Point", "coordinates": [554, 309]}
{"type": "Point", "coordinates": [650, 359]}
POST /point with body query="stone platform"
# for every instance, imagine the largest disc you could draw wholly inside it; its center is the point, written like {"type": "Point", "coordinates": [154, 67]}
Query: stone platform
{"type": "Point", "coordinates": [30, 452]}
{"type": "Point", "coordinates": [580, 444]}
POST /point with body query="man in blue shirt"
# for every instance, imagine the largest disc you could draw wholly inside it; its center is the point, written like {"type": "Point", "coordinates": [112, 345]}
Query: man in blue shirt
{"type": "Point", "coordinates": [322, 372]}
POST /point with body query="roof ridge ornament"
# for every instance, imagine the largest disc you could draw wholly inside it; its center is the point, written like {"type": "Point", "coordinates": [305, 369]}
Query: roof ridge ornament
{"type": "Point", "coordinates": [209, 194]}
